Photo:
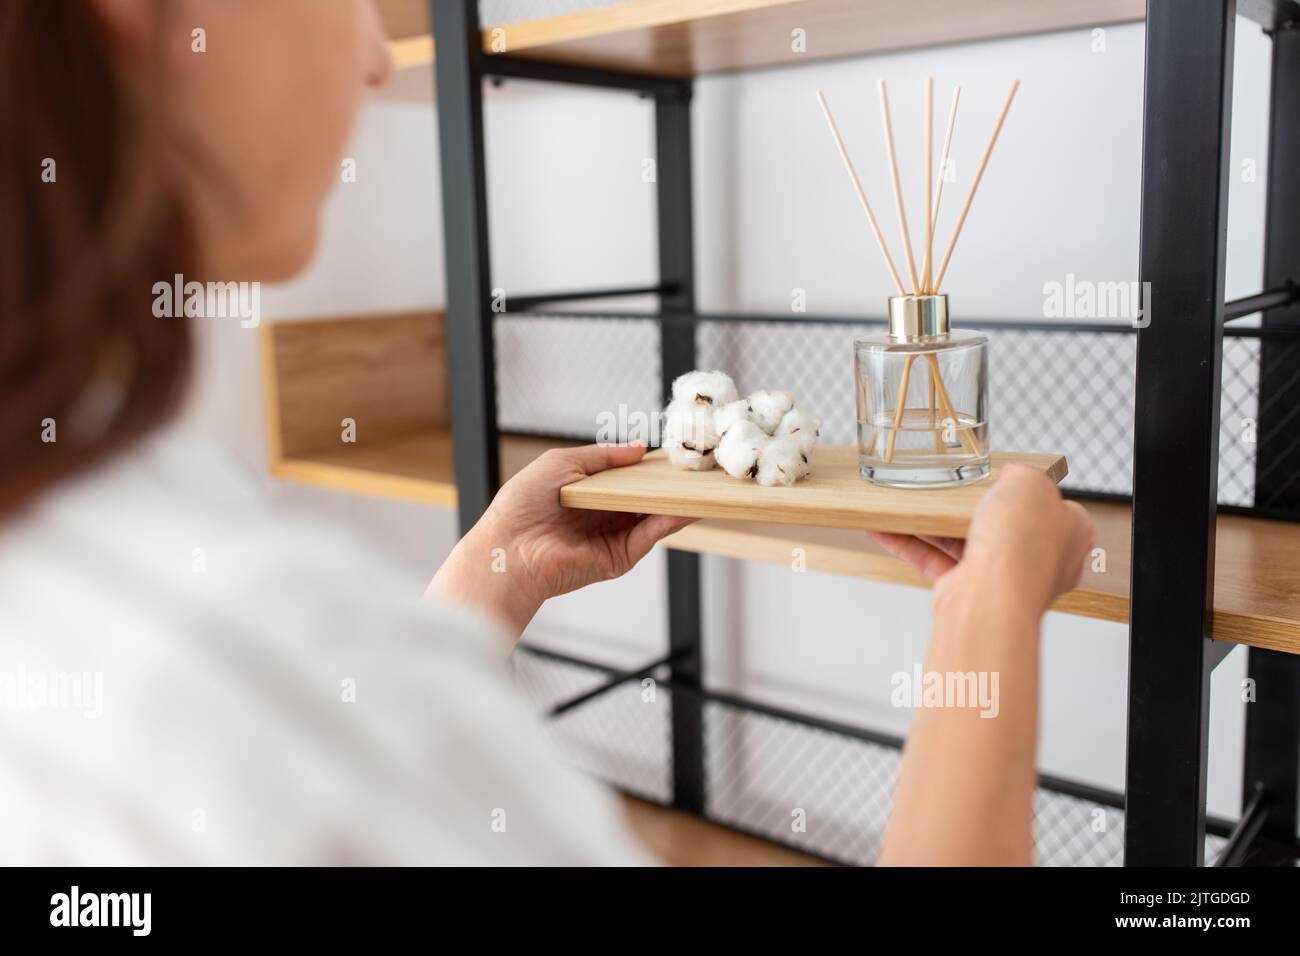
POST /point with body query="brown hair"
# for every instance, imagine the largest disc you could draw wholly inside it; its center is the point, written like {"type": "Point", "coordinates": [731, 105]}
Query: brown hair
{"type": "Point", "coordinates": [87, 226]}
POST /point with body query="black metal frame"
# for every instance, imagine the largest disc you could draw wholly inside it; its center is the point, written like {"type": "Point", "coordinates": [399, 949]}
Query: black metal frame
{"type": "Point", "coordinates": [1175, 499]}
{"type": "Point", "coordinates": [1273, 720]}
{"type": "Point", "coordinates": [1176, 435]}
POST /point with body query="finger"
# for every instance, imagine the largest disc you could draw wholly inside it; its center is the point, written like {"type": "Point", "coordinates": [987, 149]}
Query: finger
{"type": "Point", "coordinates": [1085, 530]}
{"type": "Point", "coordinates": [953, 547]}
{"type": "Point", "coordinates": [1016, 476]}
{"type": "Point", "coordinates": [650, 531]}
{"type": "Point", "coordinates": [592, 459]}
{"type": "Point", "coordinates": [925, 557]}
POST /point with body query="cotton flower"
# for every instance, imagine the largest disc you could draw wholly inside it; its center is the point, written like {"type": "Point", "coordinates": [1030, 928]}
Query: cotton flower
{"type": "Point", "coordinates": [730, 414]}
{"type": "Point", "coordinates": [712, 389]}
{"type": "Point", "coordinates": [766, 409]}
{"type": "Point", "coordinates": [680, 457]}
{"type": "Point", "coordinates": [689, 435]}
{"type": "Point", "coordinates": [739, 449]}
{"type": "Point", "coordinates": [781, 462]}
{"type": "Point", "coordinates": [802, 427]}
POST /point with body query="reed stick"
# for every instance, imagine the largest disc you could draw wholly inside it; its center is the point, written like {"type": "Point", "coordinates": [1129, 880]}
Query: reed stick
{"type": "Point", "coordinates": [929, 189]}
{"type": "Point", "coordinates": [898, 189]}
{"type": "Point", "coordinates": [899, 409]}
{"type": "Point", "coordinates": [979, 173]}
{"type": "Point", "coordinates": [943, 160]}
{"type": "Point", "coordinates": [934, 412]}
{"type": "Point", "coordinates": [965, 434]}
{"type": "Point", "coordinates": [862, 196]}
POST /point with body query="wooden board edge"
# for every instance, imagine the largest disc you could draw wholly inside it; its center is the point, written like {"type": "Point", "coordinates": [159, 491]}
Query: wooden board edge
{"type": "Point", "coordinates": [360, 481]}
{"type": "Point", "coordinates": [627, 17]}
{"type": "Point", "coordinates": [270, 396]}
{"type": "Point", "coordinates": [745, 545]}
{"type": "Point", "coordinates": [1270, 633]}
{"type": "Point", "coordinates": [412, 52]}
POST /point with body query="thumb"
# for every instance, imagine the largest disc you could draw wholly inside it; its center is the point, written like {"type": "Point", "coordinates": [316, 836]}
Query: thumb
{"type": "Point", "coordinates": [590, 459]}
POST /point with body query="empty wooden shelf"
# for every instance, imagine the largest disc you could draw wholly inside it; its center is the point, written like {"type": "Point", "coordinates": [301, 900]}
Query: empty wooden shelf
{"type": "Point", "coordinates": [833, 496]}
{"type": "Point", "coordinates": [417, 467]}
{"type": "Point", "coordinates": [359, 404]}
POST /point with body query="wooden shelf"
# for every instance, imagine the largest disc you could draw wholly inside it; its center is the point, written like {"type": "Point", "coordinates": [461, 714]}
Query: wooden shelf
{"type": "Point", "coordinates": [681, 38]}
{"type": "Point", "coordinates": [388, 375]}
{"type": "Point", "coordinates": [1256, 588]}
{"type": "Point", "coordinates": [416, 467]}
{"type": "Point", "coordinates": [832, 496]}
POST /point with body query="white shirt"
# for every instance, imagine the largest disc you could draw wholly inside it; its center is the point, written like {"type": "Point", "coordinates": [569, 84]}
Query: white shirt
{"type": "Point", "coordinates": [187, 677]}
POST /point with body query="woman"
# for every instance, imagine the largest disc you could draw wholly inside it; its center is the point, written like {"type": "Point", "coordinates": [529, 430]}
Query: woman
{"type": "Point", "coordinates": [190, 681]}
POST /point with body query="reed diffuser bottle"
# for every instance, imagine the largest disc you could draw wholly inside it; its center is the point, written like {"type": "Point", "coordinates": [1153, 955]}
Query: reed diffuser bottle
{"type": "Point", "coordinates": [922, 389]}
{"type": "Point", "coordinates": [922, 396]}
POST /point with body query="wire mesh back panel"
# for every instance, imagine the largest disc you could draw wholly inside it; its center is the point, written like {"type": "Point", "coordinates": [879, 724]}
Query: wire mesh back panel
{"type": "Point", "coordinates": [821, 792]}
{"type": "Point", "coordinates": [1068, 392]}
{"type": "Point", "coordinates": [618, 737]}
{"type": "Point", "coordinates": [568, 376]}
{"type": "Point", "coordinates": [1060, 391]}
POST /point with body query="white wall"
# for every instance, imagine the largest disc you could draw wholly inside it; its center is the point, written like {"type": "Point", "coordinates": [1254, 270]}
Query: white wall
{"type": "Point", "coordinates": [569, 209]}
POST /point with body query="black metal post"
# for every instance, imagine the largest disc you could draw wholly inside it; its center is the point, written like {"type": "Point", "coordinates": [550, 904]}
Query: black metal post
{"type": "Point", "coordinates": [471, 361]}
{"type": "Point", "coordinates": [1273, 717]}
{"type": "Point", "coordinates": [677, 348]}
{"type": "Point", "coordinates": [1185, 168]}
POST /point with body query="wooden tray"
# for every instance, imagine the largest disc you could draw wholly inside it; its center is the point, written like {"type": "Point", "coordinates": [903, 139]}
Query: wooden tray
{"type": "Point", "coordinates": [834, 496]}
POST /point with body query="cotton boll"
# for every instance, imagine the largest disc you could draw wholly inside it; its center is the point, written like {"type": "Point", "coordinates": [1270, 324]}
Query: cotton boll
{"type": "Point", "coordinates": [802, 427]}
{"type": "Point", "coordinates": [739, 449]}
{"type": "Point", "coordinates": [691, 426]}
{"type": "Point", "coordinates": [712, 389]}
{"type": "Point", "coordinates": [690, 436]}
{"type": "Point", "coordinates": [730, 414]}
{"type": "Point", "coordinates": [781, 462]}
{"type": "Point", "coordinates": [766, 409]}
{"type": "Point", "coordinates": [680, 457]}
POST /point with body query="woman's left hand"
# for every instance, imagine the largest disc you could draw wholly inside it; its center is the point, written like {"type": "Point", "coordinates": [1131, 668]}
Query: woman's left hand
{"type": "Point", "coordinates": [526, 548]}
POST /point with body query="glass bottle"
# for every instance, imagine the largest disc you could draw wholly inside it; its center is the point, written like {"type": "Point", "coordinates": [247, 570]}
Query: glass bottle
{"type": "Point", "coordinates": [922, 395]}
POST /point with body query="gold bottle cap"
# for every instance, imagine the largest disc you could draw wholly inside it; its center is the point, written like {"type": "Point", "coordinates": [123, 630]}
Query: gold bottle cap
{"type": "Point", "coordinates": [915, 317]}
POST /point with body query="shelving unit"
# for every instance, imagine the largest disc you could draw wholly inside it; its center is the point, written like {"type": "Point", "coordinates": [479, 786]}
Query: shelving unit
{"type": "Point", "coordinates": [1190, 583]}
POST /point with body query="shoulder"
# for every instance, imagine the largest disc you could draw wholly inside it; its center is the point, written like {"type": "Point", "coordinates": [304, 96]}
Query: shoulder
{"type": "Point", "coordinates": [192, 679]}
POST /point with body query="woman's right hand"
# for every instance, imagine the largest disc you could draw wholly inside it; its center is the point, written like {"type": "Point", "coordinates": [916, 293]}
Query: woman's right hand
{"type": "Point", "coordinates": [1024, 538]}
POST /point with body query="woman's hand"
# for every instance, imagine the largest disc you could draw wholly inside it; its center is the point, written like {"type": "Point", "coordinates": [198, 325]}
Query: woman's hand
{"type": "Point", "coordinates": [1024, 539]}
{"type": "Point", "coordinates": [526, 548]}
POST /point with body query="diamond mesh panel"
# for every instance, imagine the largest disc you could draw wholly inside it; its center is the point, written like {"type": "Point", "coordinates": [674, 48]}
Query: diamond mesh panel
{"type": "Point", "coordinates": [1238, 413]}
{"type": "Point", "coordinates": [1051, 390]}
{"type": "Point", "coordinates": [808, 788]}
{"type": "Point", "coordinates": [559, 376]}
{"type": "Point", "coordinates": [1283, 417]}
{"type": "Point", "coordinates": [1060, 391]}
{"type": "Point", "coordinates": [772, 777]}
{"type": "Point", "coordinates": [617, 736]}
